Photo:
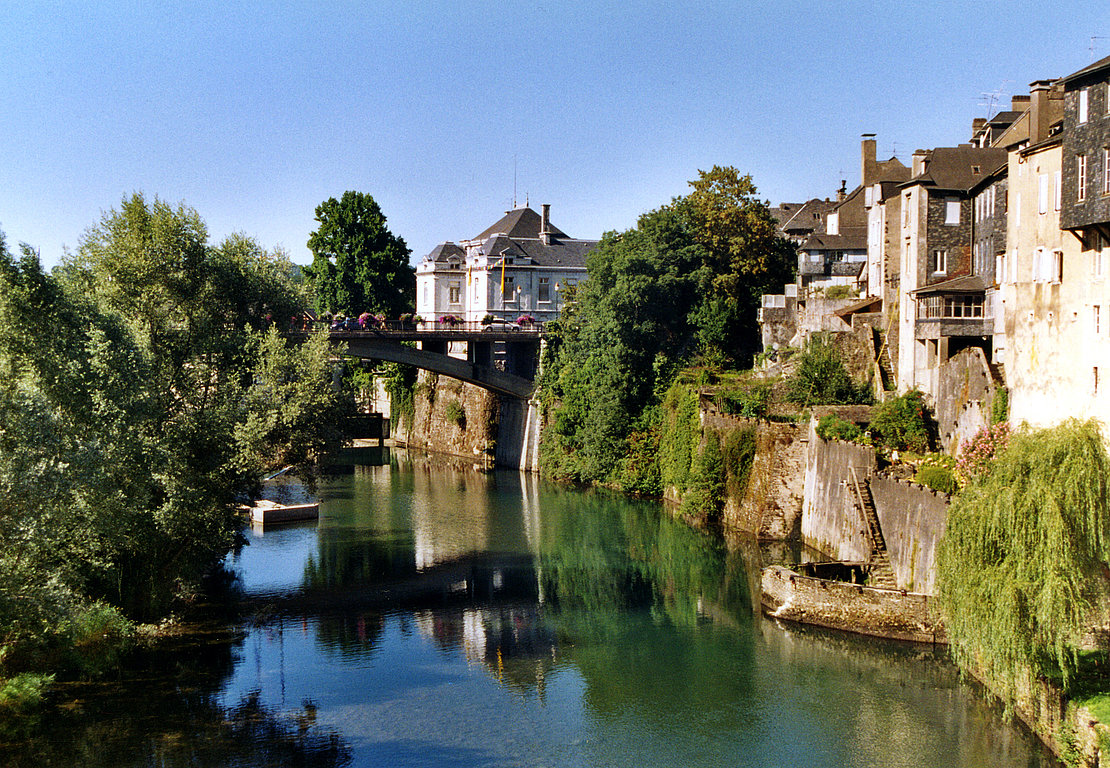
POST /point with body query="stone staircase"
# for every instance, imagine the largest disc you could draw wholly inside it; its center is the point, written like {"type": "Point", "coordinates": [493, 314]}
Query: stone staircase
{"type": "Point", "coordinates": [882, 358]}
{"type": "Point", "coordinates": [880, 573]}
{"type": "Point", "coordinates": [998, 373]}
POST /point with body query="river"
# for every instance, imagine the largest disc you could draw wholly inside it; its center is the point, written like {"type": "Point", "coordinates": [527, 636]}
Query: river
{"type": "Point", "coordinates": [438, 616]}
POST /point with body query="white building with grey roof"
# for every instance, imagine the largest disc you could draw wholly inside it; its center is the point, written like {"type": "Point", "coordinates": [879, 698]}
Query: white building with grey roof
{"type": "Point", "coordinates": [520, 265]}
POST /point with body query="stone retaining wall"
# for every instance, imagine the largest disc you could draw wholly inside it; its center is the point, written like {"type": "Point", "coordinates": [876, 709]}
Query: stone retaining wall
{"type": "Point", "coordinates": [895, 614]}
{"type": "Point", "coordinates": [832, 522]}
{"type": "Point", "coordinates": [913, 519]}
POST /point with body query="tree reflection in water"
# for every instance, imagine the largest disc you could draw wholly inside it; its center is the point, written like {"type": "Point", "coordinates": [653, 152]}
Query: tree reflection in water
{"type": "Point", "coordinates": [169, 713]}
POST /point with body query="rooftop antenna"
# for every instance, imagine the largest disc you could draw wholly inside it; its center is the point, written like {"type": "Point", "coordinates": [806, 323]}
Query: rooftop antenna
{"type": "Point", "coordinates": [991, 99]}
{"type": "Point", "coordinates": [514, 182]}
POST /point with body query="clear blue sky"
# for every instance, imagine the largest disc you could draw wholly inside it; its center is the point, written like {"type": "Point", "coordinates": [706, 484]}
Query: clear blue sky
{"type": "Point", "coordinates": [253, 113]}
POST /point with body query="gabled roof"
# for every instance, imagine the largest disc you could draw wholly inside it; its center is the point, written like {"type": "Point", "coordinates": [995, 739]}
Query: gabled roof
{"type": "Point", "coordinates": [803, 219]}
{"type": "Point", "coordinates": [520, 222]}
{"type": "Point", "coordinates": [958, 168]}
{"type": "Point", "coordinates": [1091, 69]}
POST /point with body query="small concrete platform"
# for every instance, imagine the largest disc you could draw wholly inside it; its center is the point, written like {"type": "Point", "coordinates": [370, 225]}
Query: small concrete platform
{"type": "Point", "coordinates": [267, 512]}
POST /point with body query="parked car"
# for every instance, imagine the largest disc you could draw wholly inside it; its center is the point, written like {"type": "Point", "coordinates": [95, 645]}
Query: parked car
{"type": "Point", "coordinates": [500, 324]}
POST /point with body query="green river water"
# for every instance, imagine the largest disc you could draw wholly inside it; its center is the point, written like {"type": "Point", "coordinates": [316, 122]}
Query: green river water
{"type": "Point", "coordinates": [438, 616]}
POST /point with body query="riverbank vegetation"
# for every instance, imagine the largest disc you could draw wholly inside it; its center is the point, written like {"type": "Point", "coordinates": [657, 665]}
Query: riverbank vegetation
{"type": "Point", "coordinates": [682, 286]}
{"type": "Point", "coordinates": [144, 390]}
{"type": "Point", "coordinates": [1022, 569]}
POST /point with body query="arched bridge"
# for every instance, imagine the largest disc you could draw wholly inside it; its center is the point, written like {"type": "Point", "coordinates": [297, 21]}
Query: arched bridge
{"type": "Point", "coordinates": [499, 359]}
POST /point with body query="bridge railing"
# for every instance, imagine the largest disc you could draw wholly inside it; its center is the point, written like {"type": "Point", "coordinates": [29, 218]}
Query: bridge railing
{"type": "Point", "coordinates": [429, 327]}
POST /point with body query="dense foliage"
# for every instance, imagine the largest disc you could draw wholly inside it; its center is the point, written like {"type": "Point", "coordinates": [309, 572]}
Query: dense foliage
{"type": "Point", "coordinates": [143, 387]}
{"type": "Point", "coordinates": [833, 427]}
{"type": "Point", "coordinates": [358, 265]}
{"type": "Point", "coordinates": [684, 282]}
{"type": "Point", "coordinates": [1022, 566]}
{"type": "Point", "coordinates": [902, 423]}
{"type": "Point", "coordinates": [820, 377]}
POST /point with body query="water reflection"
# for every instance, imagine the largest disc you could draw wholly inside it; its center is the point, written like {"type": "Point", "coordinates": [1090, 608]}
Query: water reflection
{"type": "Point", "coordinates": [168, 710]}
{"type": "Point", "coordinates": [438, 616]}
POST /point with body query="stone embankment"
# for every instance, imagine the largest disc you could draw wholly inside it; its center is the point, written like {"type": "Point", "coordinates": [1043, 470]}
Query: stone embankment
{"type": "Point", "coordinates": [890, 613]}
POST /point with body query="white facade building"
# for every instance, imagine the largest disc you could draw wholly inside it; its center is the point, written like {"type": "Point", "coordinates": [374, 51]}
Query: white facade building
{"type": "Point", "coordinates": [521, 265]}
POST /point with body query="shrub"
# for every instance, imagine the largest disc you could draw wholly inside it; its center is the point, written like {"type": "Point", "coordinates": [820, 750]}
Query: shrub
{"type": "Point", "coordinates": [833, 427]}
{"type": "Point", "coordinates": [820, 378]}
{"type": "Point", "coordinates": [836, 292]}
{"type": "Point", "coordinates": [456, 414]}
{"type": "Point", "coordinates": [1000, 405]}
{"type": "Point", "coordinates": [938, 477]}
{"type": "Point", "coordinates": [977, 454]}
{"type": "Point", "coordinates": [902, 423]}
{"type": "Point", "coordinates": [751, 403]}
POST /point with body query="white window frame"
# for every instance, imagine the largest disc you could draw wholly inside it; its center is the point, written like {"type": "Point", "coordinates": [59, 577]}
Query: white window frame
{"type": "Point", "coordinates": [454, 292]}
{"type": "Point", "coordinates": [1081, 177]}
{"type": "Point", "coordinates": [952, 211]}
{"type": "Point", "coordinates": [1084, 106]}
{"type": "Point", "coordinates": [543, 290]}
{"type": "Point", "coordinates": [1096, 319]}
{"type": "Point", "coordinates": [938, 261]}
{"type": "Point", "coordinates": [1057, 191]}
{"type": "Point", "coordinates": [1106, 170]}
{"type": "Point", "coordinates": [1042, 194]}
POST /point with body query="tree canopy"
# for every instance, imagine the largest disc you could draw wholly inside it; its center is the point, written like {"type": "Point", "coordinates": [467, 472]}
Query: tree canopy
{"type": "Point", "coordinates": [358, 265]}
{"type": "Point", "coordinates": [1022, 565]}
{"type": "Point", "coordinates": [684, 282]}
{"type": "Point", "coordinates": [143, 387]}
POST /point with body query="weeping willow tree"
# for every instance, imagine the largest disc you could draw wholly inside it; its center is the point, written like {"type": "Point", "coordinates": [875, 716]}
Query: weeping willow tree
{"type": "Point", "coordinates": [1022, 566]}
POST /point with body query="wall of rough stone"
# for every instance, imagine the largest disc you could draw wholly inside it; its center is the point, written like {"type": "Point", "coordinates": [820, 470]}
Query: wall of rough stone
{"type": "Point", "coordinates": [840, 605]}
{"type": "Point", "coordinates": [832, 522]}
{"type": "Point", "coordinates": [964, 395]}
{"type": "Point", "coordinates": [431, 430]}
{"type": "Point", "coordinates": [771, 507]}
{"type": "Point", "coordinates": [913, 519]}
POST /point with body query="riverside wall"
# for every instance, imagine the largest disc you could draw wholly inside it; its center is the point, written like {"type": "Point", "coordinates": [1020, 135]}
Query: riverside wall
{"type": "Point", "coordinates": [913, 519]}
{"type": "Point", "coordinates": [495, 430]}
{"type": "Point", "coordinates": [832, 521]}
{"type": "Point", "coordinates": [771, 506]}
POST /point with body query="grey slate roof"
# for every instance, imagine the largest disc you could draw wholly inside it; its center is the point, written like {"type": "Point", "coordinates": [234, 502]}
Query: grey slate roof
{"type": "Point", "coordinates": [520, 222]}
{"type": "Point", "coordinates": [516, 235]}
{"type": "Point", "coordinates": [443, 251]}
{"type": "Point", "coordinates": [852, 240]}
{"type": "Point", "coordinates": [1088, 70]}
{"type": "Point", "coordinates": [954, 168]}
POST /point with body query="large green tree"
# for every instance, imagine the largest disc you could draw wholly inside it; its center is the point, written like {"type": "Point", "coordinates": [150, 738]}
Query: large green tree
{"type": "Point", "coordinates": [143, 387]}
{"type": "Point", "coordinates": [358, 265]}
{"type": "Point", "coordinates": [683, 282]}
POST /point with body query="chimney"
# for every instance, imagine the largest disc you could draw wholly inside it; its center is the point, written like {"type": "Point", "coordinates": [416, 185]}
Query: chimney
{"type": "Point", "coordinates": [545, 223]}
{"type": "Point", "coordinates": [1019, 102]}
{"type": "Point", "coordinates": [843, 191]}
{"type": "Point", "coordinates": [868, 164]}
{"type": "Point", "coordinates": [919, 161]}
{"type": "Point", "coordinates": [1040, 113]}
